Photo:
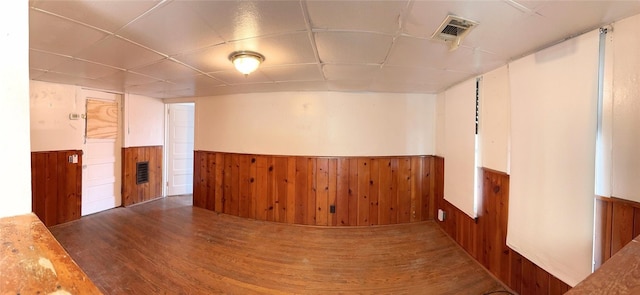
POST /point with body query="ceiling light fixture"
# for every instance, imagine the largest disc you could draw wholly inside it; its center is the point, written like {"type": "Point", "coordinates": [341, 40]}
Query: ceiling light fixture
{"type": "Point", "coordinates": [246, 62]}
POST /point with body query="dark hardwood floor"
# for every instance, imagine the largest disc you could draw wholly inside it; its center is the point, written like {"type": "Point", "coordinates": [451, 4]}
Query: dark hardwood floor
{"type": "Point", "coordinates": [169, 247]}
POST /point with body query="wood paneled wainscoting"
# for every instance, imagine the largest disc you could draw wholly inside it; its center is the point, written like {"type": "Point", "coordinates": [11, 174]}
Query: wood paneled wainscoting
{"type": "Point", "coordinates": [328, 191]}
{"type": "Point", "coordinates": [56, 186]}
{"type": "Point", "coordinates": [617, 223]}
{"type": "Point", "coordinates": [134, 191]}
{"type": "Point", "coordinates": [485, 238]}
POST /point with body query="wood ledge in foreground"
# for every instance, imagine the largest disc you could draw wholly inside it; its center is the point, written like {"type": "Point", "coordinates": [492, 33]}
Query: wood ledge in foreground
{"type": "Point", "coordinates": [619, 275]}
{"type": "Point", "coordinates": [33, 262]}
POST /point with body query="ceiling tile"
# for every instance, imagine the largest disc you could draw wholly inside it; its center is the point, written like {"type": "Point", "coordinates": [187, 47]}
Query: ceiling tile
{"type": "Point", "coordinates": [107, 15]}
{"type": "Point", "coordinates": [235, 77]}
{"type": "Point", "coordinates": [368, 16]}
{"type": "Point", "coordinates": [44, 60]}
{"type": "Point", "coordinates": [171, 29]}
{"type": "Point", "coordinates": [425, 17]}
{"type": "Point", "coordinates": [432, 77]}
{"type": "Point", "coordinates": [338, 47]}
{"type": "Point", "coordinates": [175, 94]}
{"type": "Point", "coordinates": [62, 78]}
{"type": "Point", "coordinates": [414, 52]}
{"type": "Point", "coordinates": [84, 69]}
{"type": "Point", "coordinates": [57, 35]}
{"type": "Point", "coordinates": [531, 5]}
{"type": "Point", "coordinates": [349, 85]}
{"type": "Point", "coordinates": [537, 33]}
{"type": "Point", "coordinates": [350, 72]}
{"type": "Point", "coordinates": [568, 20]}
{"type": "Point", "coordinates": [412, 75]}
{"type": "Point", "coordinates": [357, 42]}
{"type": "Point", "coordinates": [126, 78]}
{"type": "Point", "coordinates": [104, 85]}
{"type": "Point", "coordinates": [110, 52]}
{"type": "Point", "coordinates": [285, 49]}
{"type": "Point", "coordinates": [35, 74]}
{"type": "Point", "coordinates": [236, 20]}
{"type": "Point", "coordinates": [198, 92]}
{"type": "Point", "coordinates": [196, 82]}
{"type": "Point", "coordinates": [211, 59]}
{"type": "Point", "coordinates": [309, 72]}
{"type": "Point", "coordinates": [303, 86]}
{"type": "Point", "coordinates": [148, 89]}
{"type": "Point", "coordinates": [167, 69]}
{"type": "Point", "coordinates": [249, 88]}
{"type": "Point", "coordinates": [404, 87]}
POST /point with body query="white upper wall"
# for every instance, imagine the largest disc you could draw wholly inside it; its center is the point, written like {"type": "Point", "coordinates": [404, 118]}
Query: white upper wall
{"type": "Point", "coordinates": [15, 171]}
{"type": "Point", "coordinates": [51, 128]}
{"type": "Point", "coordinates": [143, 121]}
{"type": "Point", "coordinates": [317, 123]}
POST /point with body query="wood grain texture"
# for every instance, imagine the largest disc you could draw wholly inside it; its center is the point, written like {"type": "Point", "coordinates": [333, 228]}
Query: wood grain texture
{"type": "Point", "coordinates": [102, 119]}
{"type": "Point", "coordinates": [301, 190]}
{"type": "Point", "coordinates": [33, 262]}
{"type": "Point", "coordinates": [56, 186]}
{"type": "Point", "coordinates": [485, 238]}
{"type": "Point", "coordinates": [623, 223]}
{"type": "Point", "coordinates": [133, 193]}
{"type": "Point", "coordinates": [619, 275]}
{"type": "Point", "coordinates": [617, 223]}
{"type": "Point", "coordinates": [176, 248]}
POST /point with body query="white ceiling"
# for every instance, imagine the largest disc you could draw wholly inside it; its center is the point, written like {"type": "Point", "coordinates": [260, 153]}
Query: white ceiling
{"type": "Point", "coordinates": [180, 48]}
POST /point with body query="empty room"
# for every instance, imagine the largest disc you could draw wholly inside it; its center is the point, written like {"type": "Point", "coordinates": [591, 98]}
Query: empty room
{"type": "Point", "coordinates": [320, 147]}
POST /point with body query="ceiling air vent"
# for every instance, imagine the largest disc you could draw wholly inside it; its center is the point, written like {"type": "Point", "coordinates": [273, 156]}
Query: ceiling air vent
{"type": "Point", "coordinates": [452, 30]}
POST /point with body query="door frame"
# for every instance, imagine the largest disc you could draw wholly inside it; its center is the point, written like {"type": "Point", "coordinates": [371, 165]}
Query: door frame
{"type": "Point", "coordinates": [165, 152]}
{"type": "Point", "coordinates": [88, 93]}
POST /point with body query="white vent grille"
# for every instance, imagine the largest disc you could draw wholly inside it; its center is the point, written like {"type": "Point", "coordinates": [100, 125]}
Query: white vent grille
{"type": "Point", "coordinates": [453, 30]}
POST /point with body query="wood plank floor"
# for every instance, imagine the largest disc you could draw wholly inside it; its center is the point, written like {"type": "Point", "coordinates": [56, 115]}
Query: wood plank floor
{"type": "Point", "coordinates": [169, 247]}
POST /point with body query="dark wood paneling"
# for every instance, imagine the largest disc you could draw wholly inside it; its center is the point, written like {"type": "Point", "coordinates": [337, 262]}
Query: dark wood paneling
{"type": "Point", "coordinates": [301, 190]}
{"type": "Point", "coordinates": [342, 191]}
{"type": "Point", "coordinates": [364, 179]}
{"type": "Point", "coordinates": [133, 193]}
{"type": "Point", "coordinates": [56, 186]}
{"type": "Point", "coordinates": [484, 238]}
{"type": "Point", "coordinates": [617, 223]}
{"type": "Point", "coordinates": [622, 222]}
{"type": "Point", "coordinates": [374, 191]}
{"type": "Point", "coordinates": [322, 192]}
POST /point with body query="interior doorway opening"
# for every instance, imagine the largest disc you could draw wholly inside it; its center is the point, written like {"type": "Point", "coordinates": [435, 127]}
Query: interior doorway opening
{"type": "Point", "coordinates": [179, 141]}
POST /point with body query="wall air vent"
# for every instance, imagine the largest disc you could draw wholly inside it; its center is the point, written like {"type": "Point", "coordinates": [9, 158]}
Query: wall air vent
{"type": "Point", "coordinates": [453, 30]}
{"type": "Point", "coordinates": [142, 172]}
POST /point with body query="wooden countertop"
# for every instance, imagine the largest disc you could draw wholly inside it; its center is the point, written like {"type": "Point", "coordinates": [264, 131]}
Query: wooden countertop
{"type": "Point", "coordinates": [619, 275]}
{"type": "Point", "coordinates": [33, 262]}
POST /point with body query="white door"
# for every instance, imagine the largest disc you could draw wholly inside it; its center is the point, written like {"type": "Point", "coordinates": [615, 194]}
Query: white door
{"type": "Point", "coordinates": [180, 149]}
{"type": "Point", "coordinates": [101, 161]}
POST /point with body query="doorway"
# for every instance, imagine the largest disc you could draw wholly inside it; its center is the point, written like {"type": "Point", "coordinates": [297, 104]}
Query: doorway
{"type": "Point", "coordinates": [101, 152]}
{"type": "Point", "coordinates": [179, 152]}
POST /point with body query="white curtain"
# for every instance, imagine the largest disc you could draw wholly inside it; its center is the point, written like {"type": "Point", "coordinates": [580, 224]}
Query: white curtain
{"type": "Point", "coordinates": [553, 135]}
{"type": "Point", "coordinates": [494, 120]}
{"type": "Point", "coordinates": [459, 147]}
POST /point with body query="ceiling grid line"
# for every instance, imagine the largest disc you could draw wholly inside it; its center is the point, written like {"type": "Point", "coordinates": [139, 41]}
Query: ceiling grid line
{"type": "Point", "coordinates": [166, 48]}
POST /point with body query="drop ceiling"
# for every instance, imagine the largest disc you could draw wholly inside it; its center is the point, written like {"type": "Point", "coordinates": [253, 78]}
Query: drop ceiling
{"type": "Point", "coordinates": [178, 48]}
